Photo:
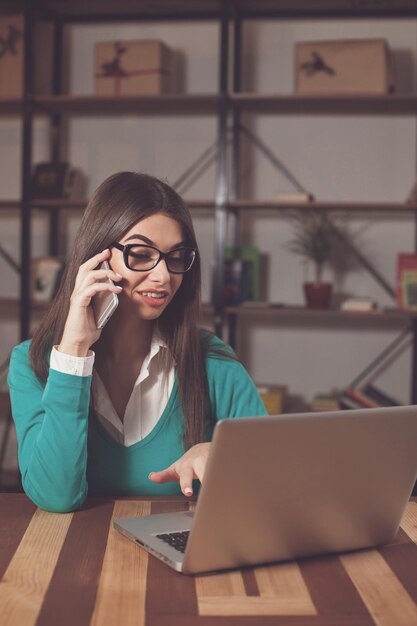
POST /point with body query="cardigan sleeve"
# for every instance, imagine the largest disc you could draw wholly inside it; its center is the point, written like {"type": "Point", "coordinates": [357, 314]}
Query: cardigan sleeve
{"type": "Point", "coordinates": [51, 428]}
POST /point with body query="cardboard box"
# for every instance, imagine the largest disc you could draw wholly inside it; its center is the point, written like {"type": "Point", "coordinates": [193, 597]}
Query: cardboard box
{"type": "Point", "coordinates": [128, 68]}
{"type": "Point", "coordinates": [273, 397]}
{"type": "Point", "coordinates": [333, 67]}
{"type": "Point", "coordinates": [12, 56]}
{"type": "Point", "coordinates": [58, 180]}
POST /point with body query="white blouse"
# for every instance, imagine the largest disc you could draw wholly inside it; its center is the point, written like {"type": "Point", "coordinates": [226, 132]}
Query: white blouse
{"type": "Point", "coordinates": [148, 399]}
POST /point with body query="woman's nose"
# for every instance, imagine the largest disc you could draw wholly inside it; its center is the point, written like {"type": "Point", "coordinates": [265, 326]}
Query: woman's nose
{"type": "Point", "coordinates": [160, 272]}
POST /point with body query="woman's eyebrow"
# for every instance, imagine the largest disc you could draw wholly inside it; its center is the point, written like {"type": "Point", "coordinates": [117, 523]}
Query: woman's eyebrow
{"type": "Point", "coordinates": [151, 243]}
{"type": "Point", "coordinates": [142, 237]}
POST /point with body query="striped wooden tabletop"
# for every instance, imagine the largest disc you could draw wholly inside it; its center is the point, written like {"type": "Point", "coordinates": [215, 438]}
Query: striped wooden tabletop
{"type": "Point", "coordinates": [74, 569]}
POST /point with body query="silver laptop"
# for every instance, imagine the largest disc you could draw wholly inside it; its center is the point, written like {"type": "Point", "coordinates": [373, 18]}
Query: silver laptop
{"type": "Point", "coordinates": [287, 486]}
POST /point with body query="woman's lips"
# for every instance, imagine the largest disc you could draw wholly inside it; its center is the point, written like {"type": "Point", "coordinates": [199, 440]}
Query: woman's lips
{"type": "Point", "coordinates": [154, 299]}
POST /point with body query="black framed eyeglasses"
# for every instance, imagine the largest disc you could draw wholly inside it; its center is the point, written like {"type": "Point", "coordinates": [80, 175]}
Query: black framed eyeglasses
{"type": "Point", "coordinates": [143, 258]}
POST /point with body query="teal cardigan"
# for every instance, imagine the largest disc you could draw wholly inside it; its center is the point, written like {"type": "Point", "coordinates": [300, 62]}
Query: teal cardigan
{"type": "Point", "coordinates": [63, 454]}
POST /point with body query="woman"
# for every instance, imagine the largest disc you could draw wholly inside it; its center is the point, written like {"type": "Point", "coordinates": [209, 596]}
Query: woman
{"type": "Point", "coordinates": [139, 423]}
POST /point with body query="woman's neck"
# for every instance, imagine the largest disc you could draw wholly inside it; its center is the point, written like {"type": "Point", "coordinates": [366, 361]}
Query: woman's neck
{"type": "Point", "coordinates": [120, 352]}
{"type": "Point", "coordinates": [125, 337]}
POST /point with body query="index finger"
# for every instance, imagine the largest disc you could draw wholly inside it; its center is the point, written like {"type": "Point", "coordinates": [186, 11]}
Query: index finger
{"type": "Point", "coordinates": [95, 260]}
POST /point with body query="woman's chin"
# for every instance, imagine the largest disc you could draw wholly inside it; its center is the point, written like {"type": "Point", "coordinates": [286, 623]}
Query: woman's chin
{"type": "Point", "coordinates": [146, 312]}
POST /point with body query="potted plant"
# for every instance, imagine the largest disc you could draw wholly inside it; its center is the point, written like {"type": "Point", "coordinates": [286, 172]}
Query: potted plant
{"type": "Point", "coordinates": [313, 240]}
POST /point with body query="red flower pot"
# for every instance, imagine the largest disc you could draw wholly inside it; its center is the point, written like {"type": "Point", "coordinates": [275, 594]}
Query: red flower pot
{"type": "Point", "coordinates": [318, 295]}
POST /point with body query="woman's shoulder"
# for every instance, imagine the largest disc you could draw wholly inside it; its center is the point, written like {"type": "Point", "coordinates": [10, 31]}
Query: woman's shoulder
{"type": "Point", "coordinates": [20, 365]}
{"type": "Point", "coordinates": [215, 348]}
{"type": "Point", "coordinates": [221, 360]}
{"type": "Point", "coordinates": [21, 351]}
{"type": "Point", "coordinates": [20, 359]}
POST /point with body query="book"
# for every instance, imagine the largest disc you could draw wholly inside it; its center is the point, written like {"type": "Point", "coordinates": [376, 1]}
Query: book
{"type": "Point", "coordinates": [294, 197]}
{"type": "Point", "coordinates": [358, 304]}
{"type": "Point", "coordinates": [412, 195]}
{"type": "Point", "coordinates": [348, 403]}
{"type": "Point", "coordinates": [236, 282]}
{"type": "Point", "coordinates": [251, 256]}
{"type": "Point", "coordinates": [406, 288]}
{"type": "Point", "coordinates": [263, 304]}
{"type": "Point", "coordinates": [362, 399]}
{"type": "Point", "coordinates": [379, 396]}
{"type": "Point", "coordinates": [325, 402]}
{"type": "Point", "coordinates": [368, 397]}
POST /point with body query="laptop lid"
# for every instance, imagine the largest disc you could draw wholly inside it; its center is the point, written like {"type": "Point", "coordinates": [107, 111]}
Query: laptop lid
{"type": "Point", "coordinates": [287, 486]}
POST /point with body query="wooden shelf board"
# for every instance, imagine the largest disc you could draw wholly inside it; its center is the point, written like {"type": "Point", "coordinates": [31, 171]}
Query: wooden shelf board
{"type": "Point", "coordinates": [52, 204]}
{"type": "Point", "coordinates": [167, 104]}
{"type": "Point", "coordinates": [241, 205]}
{"type": "Point", "coordinates": [301, 312]}
{"type": "Point", "coordinates": [11, 106]}
{"type": "Point", "coordinates": [349, 207]}
{"type": "Point", "coordinates": [203, 205]}
{"type": "Point", "coordinates": [194, 204]}
{"type": "Point", "coordinates": [206, 9]}
{"type": "Point", "coordinates": [9, 307]}
{"type": "Point", "coordinates": [9, 205]}
{"type": "Point", "coordinates": [298, 104]}
{"type": "Point", "coordinates": [323, 8]}
{"type": "Point", "coordinates": [103, 10]}
{"type": "Point", "coordinates": [79, 205]}
{"type": "Point", "coordinates": [207, 104]}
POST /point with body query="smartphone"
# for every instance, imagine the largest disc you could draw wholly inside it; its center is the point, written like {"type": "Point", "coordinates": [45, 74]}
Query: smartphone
{"type": "Point", "coordinates": [104, 303]}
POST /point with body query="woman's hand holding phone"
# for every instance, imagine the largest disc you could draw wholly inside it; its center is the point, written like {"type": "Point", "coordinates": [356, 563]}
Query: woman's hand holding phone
{"type": "Point", "coordinates": [81, 330]}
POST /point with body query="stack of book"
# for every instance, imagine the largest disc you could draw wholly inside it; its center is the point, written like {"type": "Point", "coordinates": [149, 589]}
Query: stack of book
{"type": "Point", "coordinates": [367, 397]}
{"type": "Point", "coordinates": [359, 304]}
{"type": "Point", "coordinates": [325, 402]}
{"type": "Point", "coordinates": [407, 281]}
{"type": "Point", "coordinates": [273, 397]}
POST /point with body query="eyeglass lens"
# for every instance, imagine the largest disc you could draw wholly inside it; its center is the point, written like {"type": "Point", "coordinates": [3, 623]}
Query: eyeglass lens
{"type": "Point", "coordinates": [143, 258]}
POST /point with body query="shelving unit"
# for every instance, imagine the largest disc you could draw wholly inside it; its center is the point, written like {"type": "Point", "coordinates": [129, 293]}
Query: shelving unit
{"type": "Point", "coordinates": [226, 105]}
{"type": "Point", "coordinates": [273, 104]}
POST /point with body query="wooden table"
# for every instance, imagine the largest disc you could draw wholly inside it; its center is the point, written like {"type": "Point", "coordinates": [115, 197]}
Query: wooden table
{"type": "Point", "coordinates": [75, 570]}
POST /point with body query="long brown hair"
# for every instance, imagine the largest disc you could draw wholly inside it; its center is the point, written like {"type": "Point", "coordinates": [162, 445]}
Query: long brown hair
{"type": "Point", "coordinates": [118, 203]}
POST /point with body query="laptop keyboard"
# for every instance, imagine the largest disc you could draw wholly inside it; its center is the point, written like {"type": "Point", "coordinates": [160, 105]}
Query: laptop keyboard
{"type": "Point", "coordinates": [177, 540]}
